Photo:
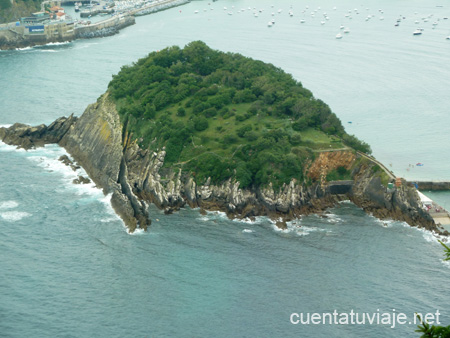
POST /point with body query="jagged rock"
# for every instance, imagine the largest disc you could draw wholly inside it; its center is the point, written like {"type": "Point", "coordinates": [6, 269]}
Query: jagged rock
{"type": "Point", "coordinates": [81, 180]}
{"type": "Point", "coordinates": [281, 225]}
{"type": "Point", "coordinates": [135, 176]}
{"type": "Point", "coordinates": [27, 137]}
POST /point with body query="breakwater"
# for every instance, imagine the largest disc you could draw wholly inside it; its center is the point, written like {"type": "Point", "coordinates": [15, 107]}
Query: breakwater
{"type": "Point", "coordinates": [103, 28]}
{"type": "Point", "coordinates": [14, 36]}
{"type": "Point", "coordinates": [432, 185]}
{"type": "Point", "coordinates": [157, 6]}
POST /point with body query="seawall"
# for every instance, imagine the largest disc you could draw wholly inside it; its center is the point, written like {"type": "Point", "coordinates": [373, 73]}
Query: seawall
{"type": "Point", "coordinates": [432, 185]}
{"type": "Point", "coordinates": [13, 37]}
{"type": "Point", "coordinates": [103, 28]}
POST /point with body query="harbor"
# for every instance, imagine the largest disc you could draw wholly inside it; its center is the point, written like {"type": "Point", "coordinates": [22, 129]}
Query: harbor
{"type": "Point", "coordinates": [96, 19]}
{"type": "Point", "coordinates": [439, 214]}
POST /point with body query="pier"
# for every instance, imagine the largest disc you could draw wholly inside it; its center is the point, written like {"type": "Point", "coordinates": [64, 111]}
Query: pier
{"type": "Point", "coordinates": [28, 34]}
{"type": "Point", "coordinates": [440, 216]}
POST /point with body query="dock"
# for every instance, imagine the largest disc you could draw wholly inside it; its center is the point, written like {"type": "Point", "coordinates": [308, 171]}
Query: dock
{"type": "Point", "coordinates": [440, 216]}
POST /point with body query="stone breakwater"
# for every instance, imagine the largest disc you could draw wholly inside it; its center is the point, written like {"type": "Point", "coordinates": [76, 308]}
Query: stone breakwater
{"type": "Point", "coordinates": [135, 177]}
{"type": "Point", "coordinates": [20, 37]}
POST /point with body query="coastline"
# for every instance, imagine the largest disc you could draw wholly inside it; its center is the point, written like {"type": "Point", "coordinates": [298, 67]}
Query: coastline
{"type": "Point", "coordinates": [136, 177]}
{"type": "Point", "coordinates": [14, 37]}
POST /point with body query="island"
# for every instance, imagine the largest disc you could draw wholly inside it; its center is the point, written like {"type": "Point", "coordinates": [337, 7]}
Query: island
{"type": "Point", "coordinates": [220, 131]}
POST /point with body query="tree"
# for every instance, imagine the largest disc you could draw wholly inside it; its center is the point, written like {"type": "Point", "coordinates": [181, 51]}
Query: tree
{"type": "Point", "coordinates": [435, 331]}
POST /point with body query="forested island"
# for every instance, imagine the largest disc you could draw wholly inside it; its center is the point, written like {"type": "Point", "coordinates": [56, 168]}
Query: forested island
{"type": "Point", "coordinates": [222, 115]}
{"type": "Point", "coordinates": [219, 131]}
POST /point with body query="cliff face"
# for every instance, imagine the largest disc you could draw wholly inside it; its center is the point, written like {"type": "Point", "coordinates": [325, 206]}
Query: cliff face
{"type": "Point", "coordinates": [135, 177]}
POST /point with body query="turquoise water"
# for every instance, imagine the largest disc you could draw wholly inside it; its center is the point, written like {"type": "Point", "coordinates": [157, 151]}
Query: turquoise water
{"type": "Point", "coordinates": [68, 267]}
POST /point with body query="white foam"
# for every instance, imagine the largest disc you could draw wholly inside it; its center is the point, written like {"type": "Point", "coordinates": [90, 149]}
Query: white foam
{"type": "Point", "coordinates": [25, 48]}
{"type": "Point", "coordinates": [446, 263]}
{"type": "Point", "coordinates": [296, 227]}
{"type": "Point", "coordinates": [332, 218]}
{"type": "Point", "coordinates": [246, 220]}
{"type": "Point", "coordinates": [6, 147]}
{"type": "Point", "coordinates": [14, 216]}
{"type": "Point", "coordinates": [136, 232]}
{"type": "Point", "coordinates": [54, 44]}
{"type": "Point", "coordinates": [8, 205]}
{"type": "Point", "coordinates": [48, 159]}
{"type": "Point", "coordinates": [5, 125]}
{"type": "Point", "coordinates": [247, 231]}
{"type": "Point", "coordinates": [345, 202]}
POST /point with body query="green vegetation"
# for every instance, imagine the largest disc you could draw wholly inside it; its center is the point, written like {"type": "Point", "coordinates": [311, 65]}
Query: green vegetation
{"type": "Point", "coordinates": [447, 251]}
{"type": "Point", "coordinates": [432, 331]}
{"type": "Point", "coordinates": [340, 174]}
{"type": "Point", "coordinates": [223, 115]}
{"type": "Point", "coordinates": [14, 11]}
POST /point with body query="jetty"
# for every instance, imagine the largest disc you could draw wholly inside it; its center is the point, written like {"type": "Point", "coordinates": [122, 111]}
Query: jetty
{"type": "Point", "coordinates": [40, 29]}
{"type": "Point", "coordinates": [440, 216]}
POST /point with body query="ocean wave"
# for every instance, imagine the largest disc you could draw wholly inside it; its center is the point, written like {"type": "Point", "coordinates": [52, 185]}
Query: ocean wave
{"type": "Point", "coordinates": [296, 227]}
{"type": "Point", "coordinates": [48, 159]}
{"type": "Point", "coordinates": [332, 218]}
{"type": "Point", "coordinates": [137, 232]}
{"type": "Point", "coordinates": [5, 125]}
{"type": "Point", "coordinates": [247, 231]}
{"type": "Point", "coordinates": [54, 44]}
{"type": "Point", "coordinates": [446, 263]}
{"type": "Point", "coordinates": [14, 216]}
{"type": "Point", "coordinates": [6, 147]}
{"type": "Point", "coordinates": [8, 205]}
{"type": "Point", "coordinates": [25, 48]}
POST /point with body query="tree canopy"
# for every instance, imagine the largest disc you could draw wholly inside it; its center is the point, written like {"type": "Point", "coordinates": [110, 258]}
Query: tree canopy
{"type": "Point", "coordinates": [223, 115]}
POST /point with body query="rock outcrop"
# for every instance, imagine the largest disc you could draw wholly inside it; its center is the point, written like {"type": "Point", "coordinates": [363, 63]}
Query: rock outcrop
{"type": "Point", "coordinates": [100, 144]}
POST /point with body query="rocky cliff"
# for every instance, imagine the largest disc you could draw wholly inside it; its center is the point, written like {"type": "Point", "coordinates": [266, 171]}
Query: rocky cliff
{"type": "Point", "coordinates": [134, 176]}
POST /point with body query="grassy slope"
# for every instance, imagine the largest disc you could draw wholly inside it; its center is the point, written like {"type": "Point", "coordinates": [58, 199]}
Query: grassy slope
{"type": "Point", "coordinates": [255, 145]}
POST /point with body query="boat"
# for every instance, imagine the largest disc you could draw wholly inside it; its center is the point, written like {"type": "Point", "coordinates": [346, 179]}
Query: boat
{"type": "Point", "coordinates": [347, 30]}
{"type": "Point", "coordinates": [269, 24]}
{"type": "Point", "coordinates": [77, 9]}
{"type": "Point", "coordinates": [448, 37]}
{"type": "Point", "coordinates": [419, 164]}
{"type": "Point", "coordinates": [339, 36]}
{"type": "Point", "coordinates": [302, 21]}
{"type": "Point", "coordinates": [417, 32]}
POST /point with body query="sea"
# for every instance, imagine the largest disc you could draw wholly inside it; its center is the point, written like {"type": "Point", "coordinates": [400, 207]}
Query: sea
{"type": "Point", "coordinates": [69, 268]}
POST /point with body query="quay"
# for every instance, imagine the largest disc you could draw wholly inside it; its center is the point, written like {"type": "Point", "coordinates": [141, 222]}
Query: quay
{"type": "Point", "coordinates": [440, 216]}
{"type": "Point", "coordinates": [53, 25]}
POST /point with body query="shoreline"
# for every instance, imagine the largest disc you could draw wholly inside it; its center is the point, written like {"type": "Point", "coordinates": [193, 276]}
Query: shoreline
{"type": "Point", "coordinates": [132, 176]}
{"type": "Point", "coordinates": [17, 37]}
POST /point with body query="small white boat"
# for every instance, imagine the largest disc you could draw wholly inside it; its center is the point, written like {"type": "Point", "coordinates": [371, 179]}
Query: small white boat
{"type": "Point", "coordinates": [448, 37]}
{"type": "Point", "coordinates": [339, 36]}
{"type": "Point", "coordinates": [322, 22]}
{"type": "Point", "coordinates": [269, 24]}
{"type": "Point", "coordinates": [302, 21]}
{"type": "Point", "coordinates": [342, 27]}
{"type": "Point", "coordinates": [347, 30]}
{"type": "Point", "coordinates": [196, 12]}
{"type": "Point", "coordinates": [417, 32]}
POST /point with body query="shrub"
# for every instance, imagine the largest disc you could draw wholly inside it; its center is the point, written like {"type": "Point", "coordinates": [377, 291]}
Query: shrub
{"type": "Point", "coordinates": [200, 123]}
